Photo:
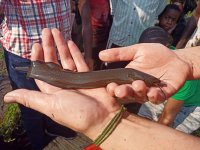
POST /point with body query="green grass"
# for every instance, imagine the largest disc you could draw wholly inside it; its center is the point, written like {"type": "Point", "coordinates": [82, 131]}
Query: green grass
{"type": "Point", "coordinates": [1, 55]}
{"type": "Point", "coordinates": [11, 115]}
{"type": "Point", "coordinates": [10, 122]}
{"type": "Point", "coordinates": [196, 133]}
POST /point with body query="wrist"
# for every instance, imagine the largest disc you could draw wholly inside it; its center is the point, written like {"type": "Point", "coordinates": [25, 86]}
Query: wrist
{"type": "Point", "coordinates": [187, 63]}
{"type": "Point", "coordinates": [95, 130]}
{"type": "Point", "coordinates": [107, 131]}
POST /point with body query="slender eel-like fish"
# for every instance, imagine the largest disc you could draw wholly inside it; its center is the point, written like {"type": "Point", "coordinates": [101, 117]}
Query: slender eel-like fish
{"type": "Point", "coordinates": [57, 76]}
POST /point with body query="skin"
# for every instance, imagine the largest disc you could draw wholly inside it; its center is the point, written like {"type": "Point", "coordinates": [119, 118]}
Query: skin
{"type": "Point", "coordinates": [87, 112]}
{"type": "Point", "coordinates": [171, 109]}
{"type": "Point", "coordinates": [145, 57]}
{"type": "Point", "coordinates": [190, 27]}
{"type": "Point", "coordinates": [84, 9]}
{"type": "Point", "coordinates": [169, 19]}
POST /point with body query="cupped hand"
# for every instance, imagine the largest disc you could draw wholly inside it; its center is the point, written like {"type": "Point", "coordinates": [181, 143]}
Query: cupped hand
{"type": "Point", "coordinates": [83, 110]}
{"type": "Point", "coordinates": [154, 59]}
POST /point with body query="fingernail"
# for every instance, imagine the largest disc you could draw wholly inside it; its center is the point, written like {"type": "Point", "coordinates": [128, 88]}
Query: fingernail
{"type": "Point", "coordinates": [8, 98]}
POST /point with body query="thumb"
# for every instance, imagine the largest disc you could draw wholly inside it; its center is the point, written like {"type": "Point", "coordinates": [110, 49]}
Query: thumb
{"type": "Point", "coordinates": [119, 54]}
{"type": "Point", "coordinates": [31, 99]}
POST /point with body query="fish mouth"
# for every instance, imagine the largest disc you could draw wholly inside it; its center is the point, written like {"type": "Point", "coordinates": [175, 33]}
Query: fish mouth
{"type": "Point", "coordinates": [161, 84]}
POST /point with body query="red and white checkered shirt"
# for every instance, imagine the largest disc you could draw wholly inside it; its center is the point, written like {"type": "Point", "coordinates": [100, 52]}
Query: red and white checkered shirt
{"type": "Point", "coordinates": [25, 19]}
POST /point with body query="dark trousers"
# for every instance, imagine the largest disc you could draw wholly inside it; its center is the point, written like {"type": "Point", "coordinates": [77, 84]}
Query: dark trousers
{"type": "Point", "coordinates": [31, 120]}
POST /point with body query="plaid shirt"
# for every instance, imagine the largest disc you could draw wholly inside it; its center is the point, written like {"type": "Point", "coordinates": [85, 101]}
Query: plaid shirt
{"type": "Point", "coordinates": [25, 19]}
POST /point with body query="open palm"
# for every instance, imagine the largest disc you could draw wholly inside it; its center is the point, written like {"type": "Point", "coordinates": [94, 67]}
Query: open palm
{"type": "Point", "coordinates": [76, 109]}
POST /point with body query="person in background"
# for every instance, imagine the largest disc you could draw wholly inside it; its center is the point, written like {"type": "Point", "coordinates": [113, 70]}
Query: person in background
{"type": "Point", "coordinates": [181, 111]}
{"type": "Point", "coordinates": [189, 32]}
{"type": "Point", "coordinates": [130, 19]}
{"type": "Point", "coordinates": [1, 18]}
{"type": "Point", "coordinates": [101, 22]}
{"type": "Point", "coordinates": [169, 19]}
{"type": "Point", "coordinates": [93, 113]}
{"type": "Point", "coordinates": [82, 29]}
{"type": "Point", "coordinates": [156, 34]}
{"type": "Point", "coordinates": [24, 21]}
{"type": "Point", "coordinates": [185, 7]}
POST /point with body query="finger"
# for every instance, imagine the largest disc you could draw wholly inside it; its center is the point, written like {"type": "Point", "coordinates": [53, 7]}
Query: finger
{"type": "Point", "coordinates": [50, 56]}
{"type": "Point", "coordinates": [49, 47]}
{"type": "Point", "coordinates": [45, 87]}
{"type": "Point", "coordinates": [155, 96]}
{"type": "Point", "coordinates": [140, 89]}
{"type": "Point", "coordinates": [78, 58]}
{"type": "Point", "coordinates": [64, 53]}
{"type": "Point", "coordinates": [124, 91]}
{"type": "Point", "coordinates": [159, 95]}
{"type": "Point", "coordinates": [32, 99]}
{"type": "Point", "coordinates": [111, 88]}
{"type": "Point", "coordinates": [137, 91]}
{"type": "Point", "coordinates": [37, 52]}
{"type": "Point", "coordinates": [119, 54]}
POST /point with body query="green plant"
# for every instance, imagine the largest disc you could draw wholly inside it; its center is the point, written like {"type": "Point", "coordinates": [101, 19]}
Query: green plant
{"type": "Point", "coordinates": [10, 122]}
{"type": "Point", "coordinates": [1, 55]}
{"type": "Point", "coordinates": [196, 133]}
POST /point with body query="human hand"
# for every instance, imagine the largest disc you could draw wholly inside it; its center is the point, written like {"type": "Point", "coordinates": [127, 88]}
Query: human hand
{"type": "Point", "coordinates": [86, 111]}
{"type": "Point", "coordinates": [154, 59]}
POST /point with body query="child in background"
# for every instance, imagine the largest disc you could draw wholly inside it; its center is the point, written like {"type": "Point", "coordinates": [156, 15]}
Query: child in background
{"type": "Point", "coordinates": [168, 20]}
{"type": "Point", "coordinates": [156, 34]}
{"type": "Point", "coordinates": [182, 110]}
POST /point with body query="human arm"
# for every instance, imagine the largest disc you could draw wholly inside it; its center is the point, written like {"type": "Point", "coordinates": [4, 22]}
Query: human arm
{"type": "Point", "coordinates": [190, 28]}
{"type": "Point", "coordinates": [171, 109]}
{"type": "Point", "coordinates": [2, 5]}
{"type": "Point", "coordinates": [89, 111]}
{"type": "Point", "coordinates": [84, 8]}
{"type": "Point", "coordinates": [131, 132]}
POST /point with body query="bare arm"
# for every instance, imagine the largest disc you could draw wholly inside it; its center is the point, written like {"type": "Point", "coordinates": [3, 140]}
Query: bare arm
{"type": "Point", "coordinates": [84, 8]}
{"type": "Point", "coordinates": [2, 5]}
{"type": "Point", "coordinates": [190, 27]}
{"type": "Point", "coordinates": [192, 57]}
{"type": "Point", "coordinates": [137, 133]}
{"type": "Point", "coordinates": [171, 109]}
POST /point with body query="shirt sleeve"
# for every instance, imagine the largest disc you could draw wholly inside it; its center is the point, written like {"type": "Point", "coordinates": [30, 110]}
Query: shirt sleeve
{"type": "Point", "coordinates": [113, 5]}
{"type": "Point", "coordinates": [186, 91]}
{"type": "Point", "coordinates": [162, 5]}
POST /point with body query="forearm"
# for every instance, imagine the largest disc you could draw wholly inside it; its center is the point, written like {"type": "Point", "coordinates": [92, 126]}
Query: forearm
{"type": "Point", "coordinates": [87, 40]}
{"type": "Point", "coordinates": [165, 120]}
{"type": "Point", "coordinates": [84, 8]}
{"type": "Point", "coordinates": [2, 5]}
{"type": "Point", "coordinates": [189, 29]}
{"type": "Point", "coordinates": [171, 108]}
{"type": "Point", "coordinates": [137, 133]}
{"type": "Point", "coordinates": [192, 57]}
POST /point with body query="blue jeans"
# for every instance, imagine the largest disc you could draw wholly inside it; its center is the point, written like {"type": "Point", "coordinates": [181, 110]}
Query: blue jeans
{"type": "Point", "coordinates": [33, 121]}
